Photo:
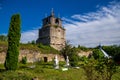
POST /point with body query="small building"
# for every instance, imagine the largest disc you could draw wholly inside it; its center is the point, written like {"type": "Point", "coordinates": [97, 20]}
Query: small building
{"type": "Point", "coordinates": [52, 33]}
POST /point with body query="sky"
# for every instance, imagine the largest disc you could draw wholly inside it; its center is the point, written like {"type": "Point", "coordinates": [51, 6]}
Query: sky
{"type": "Point", "coordinates": [87, 22]}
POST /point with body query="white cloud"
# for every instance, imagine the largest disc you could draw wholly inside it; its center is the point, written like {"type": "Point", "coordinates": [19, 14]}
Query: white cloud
{"type": "Point", "coordinates": [90, 29]}
{"type": "Point", "coordinates": [29, 36]}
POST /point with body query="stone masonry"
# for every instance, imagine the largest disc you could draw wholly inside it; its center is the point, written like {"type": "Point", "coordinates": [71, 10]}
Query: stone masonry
{"type": "Point", "coordinates": [52, 33]}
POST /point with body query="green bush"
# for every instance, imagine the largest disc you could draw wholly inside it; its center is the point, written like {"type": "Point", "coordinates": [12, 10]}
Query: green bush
{"type": "Point", "coordinates": [24, 60]}
{"type": "Point", "coordinates": [47, 49]}
{"type": "Point", "coordinates": [73, 57]}
{"type": "Point", "coordinates": [97, 54]}
{"type": "Point", "coordinates": [71, 53]}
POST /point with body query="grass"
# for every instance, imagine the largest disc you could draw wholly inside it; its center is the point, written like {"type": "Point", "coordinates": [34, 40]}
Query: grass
{"type": "Point", "coordinates": [45, 49]}
{"type": "Point", "coordinates": [45, 71]}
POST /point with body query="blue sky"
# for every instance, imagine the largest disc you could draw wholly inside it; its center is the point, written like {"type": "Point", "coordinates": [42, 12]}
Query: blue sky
{"type": "Point", "coordinates": [89, 22]}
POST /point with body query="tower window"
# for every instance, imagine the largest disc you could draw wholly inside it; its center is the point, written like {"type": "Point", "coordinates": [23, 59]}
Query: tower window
{"type": "Point", "coordinates": [46, 21]}
{"type": "Point", "coordinates": [57, 21]}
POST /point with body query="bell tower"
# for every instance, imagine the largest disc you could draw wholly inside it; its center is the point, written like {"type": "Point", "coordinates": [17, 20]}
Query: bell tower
{"type": "Point", "coordinates": [52, 33]}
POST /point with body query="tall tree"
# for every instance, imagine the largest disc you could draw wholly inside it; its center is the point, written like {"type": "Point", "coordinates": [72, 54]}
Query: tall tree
{"type": "Point", "coordinates": [11, 62]}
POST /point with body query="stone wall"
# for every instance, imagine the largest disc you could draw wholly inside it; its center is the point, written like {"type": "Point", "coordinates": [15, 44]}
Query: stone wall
{"type": "Point", "coordinates": [32, 56]}
{"type": "Point", "coordinates": [85, 53]}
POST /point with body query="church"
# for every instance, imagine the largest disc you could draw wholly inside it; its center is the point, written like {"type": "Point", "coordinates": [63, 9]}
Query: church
{"type": "Point", "coordinates": [52, 32]}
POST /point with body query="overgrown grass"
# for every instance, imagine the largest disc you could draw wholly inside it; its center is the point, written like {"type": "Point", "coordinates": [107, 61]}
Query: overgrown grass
{"type": "Point", "coordinates": [45, 49]}
{"type": "Point", "coordinates": [29, 47]}
{"type": "Point", "coordinates": [45, 71]}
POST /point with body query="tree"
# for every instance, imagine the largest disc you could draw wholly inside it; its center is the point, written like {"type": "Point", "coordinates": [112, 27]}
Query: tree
{"type": "Point", "coordinates": [112, 50]}
{"type": "Point", "coordinates": [89, 68]}
{"type": "Point", "coordinates": [71, 53]}
{"type": "Point", "coordinates": [66, 50]}
{"type": "Point", "coordinates": [97, 54]}
{"type": "Point", "coordinates": [73, 57]}
{"type": "Point", "coordinates": [106, 68]}
{"type": "Point", "coordinates": [11, 62]}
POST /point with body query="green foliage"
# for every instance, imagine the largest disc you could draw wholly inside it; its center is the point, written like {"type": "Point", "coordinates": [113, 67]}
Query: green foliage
{"type": "Point", "coordinates": [97, 54]}
{"type": "Point", "coordinates": [89, 68]}
{"type": "Point", "coordinates": [112, 50]}
{"type": "Point", "coordinates": [73, 57]}
{"type": "Point", "coordinates": [44, 46]}
{"type": "Point", "coordinates": [45, 71]}
{"type": "Point", "coordinates": [44, 49]}
{"type": "Point", "coordinates": [83, 48]}
{"type": "Point", "coordinates": [15, 75]}
{"type": "Point", "coordinates": [71, 53]}
{"type": "Point", "coordinates": [29, 46]}
{"type": "Point", "coordinates": [106, 68]}
{"type": "Point", "coordinates": [3, 38]}
{"type": "Point", "coordinates": [33, 42]}
{"type": "Point", "coordinates": [83, 59]}
{"type": "Point", "coordinates": [11, 62]}
{"type": "Point", "coordinates": [24, 60]}
{"type": "Point", "coordinates": [66, 50]}
{"type": "Point", "coordinates": [100, 69]}
{"type": "Point", "coordinates": [47, 49]}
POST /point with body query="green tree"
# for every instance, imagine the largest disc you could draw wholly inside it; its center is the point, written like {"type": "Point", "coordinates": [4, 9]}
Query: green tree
{"type": "Point", "coordinates": [33, 42]}
{"type": "Point", "coordinates": [66, 50]}
{"type": "Point", "coordinates": [73, 57]}
{"type": "Point", "coordinates": [97, 54]}
{"type": "Point", "coordinates": [11, 62]}
{"type": "Point", "coordinates": [106, 68]}
{"type": "Point", "coordinates": [71, 53]}
{"type": "Point", "coordinates": [83, 48]}
{"type": "Point", "coordinates": [112, 50]}
{"type": "Point", "coordinates": [89, 68]}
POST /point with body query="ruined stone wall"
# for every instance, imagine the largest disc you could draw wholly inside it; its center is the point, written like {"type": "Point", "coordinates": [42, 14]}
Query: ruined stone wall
{"type": "Point", "coordinates": [32, 56]}
{"type": "Point", "coordinates": [84, 53]}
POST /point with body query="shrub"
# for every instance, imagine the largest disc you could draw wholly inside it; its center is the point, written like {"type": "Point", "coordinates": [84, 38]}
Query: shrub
{"type": "Point", "coordinates": [24, 60]}
{"type": "Point", "coordinates": [73, 57]}
{"type": "Point", "coordinates": [71, 53]}
{"type": "Point", "coordinates": [97, 54]}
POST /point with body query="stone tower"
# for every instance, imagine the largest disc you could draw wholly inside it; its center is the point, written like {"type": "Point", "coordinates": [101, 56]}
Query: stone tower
{"type": "Point", "coordinates": [52, 33]}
